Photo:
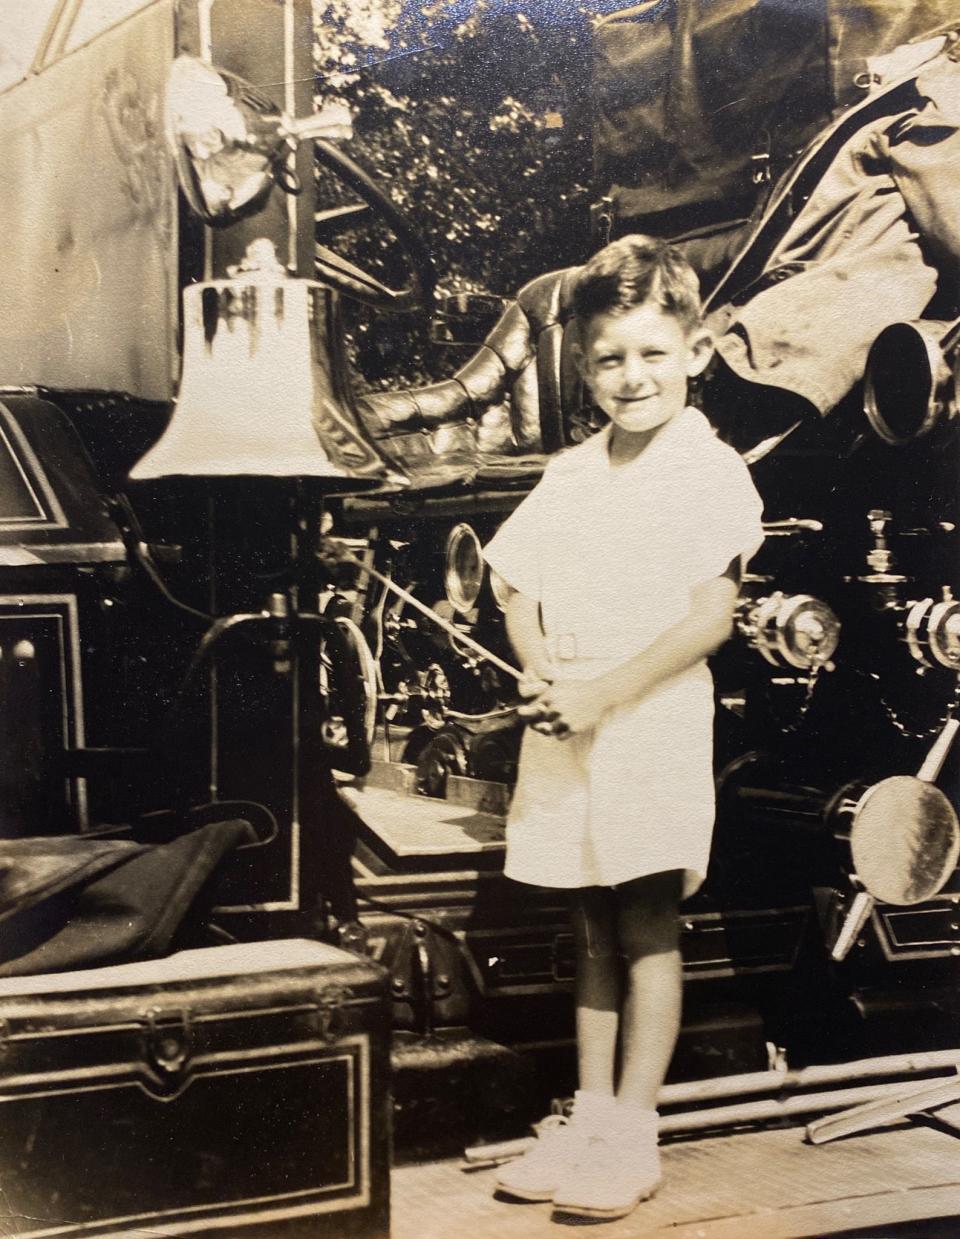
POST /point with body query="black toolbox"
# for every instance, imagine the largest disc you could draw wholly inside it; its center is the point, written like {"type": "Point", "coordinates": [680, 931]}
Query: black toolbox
{"type": "Point", "coordinates": [237, 1091]}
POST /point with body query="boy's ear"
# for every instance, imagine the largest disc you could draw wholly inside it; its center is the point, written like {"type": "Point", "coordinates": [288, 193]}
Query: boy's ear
{"type": "Point", "coordinates": [701, 350]}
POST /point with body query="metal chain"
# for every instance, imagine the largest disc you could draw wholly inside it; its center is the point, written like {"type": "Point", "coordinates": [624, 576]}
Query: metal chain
{"type": "Point", "coordinates": [896, 719]}
{"type": "Point", "coordinates": [804, 707]}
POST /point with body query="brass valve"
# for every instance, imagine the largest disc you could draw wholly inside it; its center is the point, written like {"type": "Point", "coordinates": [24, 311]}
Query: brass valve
{"type": "Point", "coordinates": [789, 630]}
{"type": "Point", "coordinates": [933, 631]}
{"type": "Point", "coordinates": [880, 558]}
{"type": "Point", "coordinates": [881, 562]}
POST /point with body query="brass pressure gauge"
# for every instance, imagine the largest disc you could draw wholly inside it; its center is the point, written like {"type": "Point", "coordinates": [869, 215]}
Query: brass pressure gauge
{"type": "Point", "coordinates": [790, 630]}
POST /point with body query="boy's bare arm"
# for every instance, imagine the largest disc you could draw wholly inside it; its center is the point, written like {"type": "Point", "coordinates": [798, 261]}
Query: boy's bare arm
{"type": "Point", "coordinates": [577, 706]}
{"type": "Point", "coordinates": [526, 637]}
{"type": "Point", "coordinates": [704, 628]}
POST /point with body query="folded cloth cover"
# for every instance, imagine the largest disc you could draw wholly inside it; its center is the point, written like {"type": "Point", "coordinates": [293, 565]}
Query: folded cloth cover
{"type": "Point", "coordinates": [78, 903]}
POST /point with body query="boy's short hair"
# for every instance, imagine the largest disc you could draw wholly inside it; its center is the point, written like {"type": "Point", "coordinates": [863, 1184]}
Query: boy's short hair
{"type": "Point", "coordinates": [634, 270]}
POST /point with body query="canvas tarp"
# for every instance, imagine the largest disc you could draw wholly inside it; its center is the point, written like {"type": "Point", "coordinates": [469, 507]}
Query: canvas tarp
{"type": "Point", "coordinates": [699, 102]}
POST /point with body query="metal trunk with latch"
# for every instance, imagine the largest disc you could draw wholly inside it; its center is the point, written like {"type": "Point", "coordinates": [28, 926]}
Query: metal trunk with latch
{"type": "Point", "coordinates": [235, 1091]}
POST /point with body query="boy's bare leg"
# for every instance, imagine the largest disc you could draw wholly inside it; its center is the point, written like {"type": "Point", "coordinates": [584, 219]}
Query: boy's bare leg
{"type": "Point", "coordinates": [619, 1164]}
{"type": "Point", "coordinates": [559, 1146]}
{"type": "Point", "coordinates": [650, 940]}
{"type": "Point", "coordinates": [598, 990]}
{"type": "Point", "coordinates": [598, 997]}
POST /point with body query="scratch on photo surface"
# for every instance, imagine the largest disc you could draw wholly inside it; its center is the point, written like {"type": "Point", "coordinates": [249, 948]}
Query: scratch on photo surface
{"type": "Point", "coordinates": [731, 103]}
{"type": "Point", "coordinates": [374, 64]}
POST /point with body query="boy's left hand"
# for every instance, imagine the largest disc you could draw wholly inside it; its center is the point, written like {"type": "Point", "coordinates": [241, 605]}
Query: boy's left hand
{"type": "Point", "coordinates": [565, 709]}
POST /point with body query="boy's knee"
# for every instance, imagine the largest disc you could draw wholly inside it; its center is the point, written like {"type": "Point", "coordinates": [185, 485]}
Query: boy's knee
{"type": "Point", "coordinates": [594, 920]}
{"type": "Point", "coordinates": [656, 893]}
{"type": "Point", "coordinates": [648, 914]}
{"type": "Point", "coordinates": [642, 940]}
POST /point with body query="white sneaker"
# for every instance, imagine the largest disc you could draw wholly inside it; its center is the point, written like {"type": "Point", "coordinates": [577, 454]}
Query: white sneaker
{"type": "Point", "coordinates": [539, 1172]}
{"type": "Point", "coordinates": [615, 1170]}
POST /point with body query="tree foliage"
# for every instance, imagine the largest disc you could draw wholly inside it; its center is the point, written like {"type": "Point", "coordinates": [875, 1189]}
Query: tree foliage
{"type": "Point", "coordinates": [474, 117]}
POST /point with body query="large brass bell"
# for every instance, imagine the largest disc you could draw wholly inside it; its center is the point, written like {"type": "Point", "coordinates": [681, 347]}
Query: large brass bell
{"type": "Point", "coordinates": [264, 389]}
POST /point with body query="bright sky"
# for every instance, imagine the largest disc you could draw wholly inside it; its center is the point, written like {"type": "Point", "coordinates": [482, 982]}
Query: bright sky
{"type": "Point", "coordinates": [22, 23]}
{"type": "Point", "coordinates": [19, 20]}
{"type": "Point", "coordinates": [21, 26]}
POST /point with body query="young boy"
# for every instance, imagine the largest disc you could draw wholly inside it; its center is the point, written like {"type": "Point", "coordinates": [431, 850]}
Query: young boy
{"type": "Point", "coordinates": [623, 566]}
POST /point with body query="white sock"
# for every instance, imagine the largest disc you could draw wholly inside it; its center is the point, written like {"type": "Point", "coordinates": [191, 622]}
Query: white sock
{"type": "Point", "coordinates": [638, 1119]}
{"type": "Point", "coordinates": [594, 1107]}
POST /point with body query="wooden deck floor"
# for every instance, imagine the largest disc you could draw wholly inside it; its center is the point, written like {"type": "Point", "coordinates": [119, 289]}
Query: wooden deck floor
{"type": "Point", "coordinates": [901, 1181]}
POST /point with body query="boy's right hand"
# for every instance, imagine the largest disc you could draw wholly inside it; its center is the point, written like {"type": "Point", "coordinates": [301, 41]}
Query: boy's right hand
{"type": "Point", "coordinates": [533, 681]}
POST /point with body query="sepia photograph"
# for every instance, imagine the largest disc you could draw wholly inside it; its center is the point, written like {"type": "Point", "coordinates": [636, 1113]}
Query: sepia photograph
{"type": "Point", "coordinates": [479, 659]}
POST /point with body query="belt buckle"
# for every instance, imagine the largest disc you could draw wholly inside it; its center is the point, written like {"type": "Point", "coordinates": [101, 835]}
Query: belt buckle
{"type": "Point", "coordinates": [566, 646]}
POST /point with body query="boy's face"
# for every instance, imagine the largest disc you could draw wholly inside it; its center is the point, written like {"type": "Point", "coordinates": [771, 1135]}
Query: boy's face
{"type": "Point", "coordinates": [638, 363]}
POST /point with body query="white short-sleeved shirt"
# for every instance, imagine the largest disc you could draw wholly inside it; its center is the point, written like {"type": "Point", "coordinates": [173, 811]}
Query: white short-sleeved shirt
{"type": "Point", "coordinates": [612, 554]}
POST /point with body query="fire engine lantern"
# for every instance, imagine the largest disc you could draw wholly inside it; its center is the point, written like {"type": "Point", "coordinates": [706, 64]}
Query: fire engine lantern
{"type": "Point", "coordinates": [904, 840]}
{"type": "Point", "coordinates": [463, 572]}
{"type": "Point", "coordinates": [348, 686]}
{"type": "Point", "coordinates": [909, 384]}
{"type": "Point", "coordinates": [899, 837]}
{"type": "Point", "coordinates": [903, 835]}
{"type": "Point", "coordinates": [231, 143]}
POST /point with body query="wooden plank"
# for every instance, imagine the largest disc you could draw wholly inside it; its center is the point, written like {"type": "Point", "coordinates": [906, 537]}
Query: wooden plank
{"type": "Point", "coordinates": [748, 1185]}
{"type": "Point", "coordinates": [479, 794]}
{"type": "Point", "coordinates": [947, 1117]}
{"type": "Point", "coordinates": [936, 1206]}
{"type": "Point", "coordinates": [418, 826]}
{"type": "Point", "coordinates": [875, 1113]}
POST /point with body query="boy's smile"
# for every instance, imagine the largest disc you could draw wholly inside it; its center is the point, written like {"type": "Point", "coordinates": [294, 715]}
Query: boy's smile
{"type": "Point", "coordinates": [637, 364]}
